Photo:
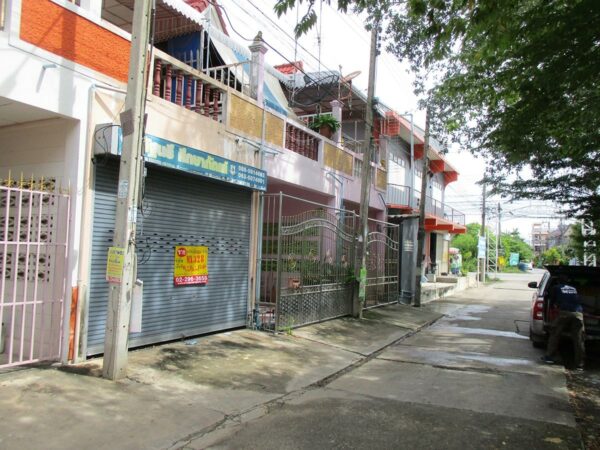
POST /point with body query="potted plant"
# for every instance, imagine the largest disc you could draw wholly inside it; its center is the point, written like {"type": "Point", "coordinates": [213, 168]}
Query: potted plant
{"type": "Point", "coordinates": [326, 125]}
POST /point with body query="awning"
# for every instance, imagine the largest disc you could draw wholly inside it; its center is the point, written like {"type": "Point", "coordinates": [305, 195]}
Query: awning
{"type": "Point", "coordinates": [274, 97]}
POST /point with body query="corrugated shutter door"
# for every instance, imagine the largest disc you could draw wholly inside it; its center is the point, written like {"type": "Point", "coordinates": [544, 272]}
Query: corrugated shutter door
{"type": "Point", "coordinates": [179, 210]}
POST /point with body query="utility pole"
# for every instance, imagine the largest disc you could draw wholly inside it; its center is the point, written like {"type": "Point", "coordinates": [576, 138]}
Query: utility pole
{"type": "Point", "coordinates": [366, 171]}
{"type": "Point", "coordinates": [481, 262]}
{"type": "Point", "coordinates": [132, 122]}
{"type": "Point", "coordinates": [498, 237]}
{"type": "Point", "coordinates": [589, 243]}
{"type": "Point", "coordinates": [421, 232]}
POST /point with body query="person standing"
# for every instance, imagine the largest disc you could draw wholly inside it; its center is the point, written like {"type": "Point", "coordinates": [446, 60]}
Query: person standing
{"type": "Point", "coordinates": [569, 319]}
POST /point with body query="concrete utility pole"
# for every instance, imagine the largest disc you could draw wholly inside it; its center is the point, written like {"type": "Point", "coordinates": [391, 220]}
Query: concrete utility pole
{"type": "Point", "coordinates": [481, 262]}
{"type": "Point", "coordinates": [421, 232]}
{"type": "Point", "coordinates": [132, 123]}
{"type": "Point", "coordinates": [498, 237]}
{"type": "Point", "coordinates": [589, 243]}
{"type": "Point", "coordinates": [366, 171]}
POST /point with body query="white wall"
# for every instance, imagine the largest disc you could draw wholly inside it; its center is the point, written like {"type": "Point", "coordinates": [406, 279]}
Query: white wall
{"type": "Point", "coordinates": [35, 148]}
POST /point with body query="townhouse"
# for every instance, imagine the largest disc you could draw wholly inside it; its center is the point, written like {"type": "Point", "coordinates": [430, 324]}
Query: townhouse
{"type": "Point", "coordinates": [232, 170]}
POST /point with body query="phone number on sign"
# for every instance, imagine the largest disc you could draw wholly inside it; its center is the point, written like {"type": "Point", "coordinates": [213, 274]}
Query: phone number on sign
{"type": "Point", "coordinates": [194, 279]}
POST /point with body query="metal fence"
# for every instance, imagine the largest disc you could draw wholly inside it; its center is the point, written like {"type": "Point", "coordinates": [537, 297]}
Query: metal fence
{"type": "Point", "coordinates": [307, 267]}
{"type": "Point", "coordinates": [383, 243]}
{"type": "Point", "coordinates": [309, 263]}
{"type": "Point", "coordinates": [34, 228]}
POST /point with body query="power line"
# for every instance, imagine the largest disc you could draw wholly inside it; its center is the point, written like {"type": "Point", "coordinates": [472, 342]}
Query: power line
{"type": "Point", "coordinates": [326, 89]}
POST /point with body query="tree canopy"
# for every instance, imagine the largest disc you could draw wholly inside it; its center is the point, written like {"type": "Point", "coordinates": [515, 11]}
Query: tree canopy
{"type": "Point", "coordinates": [516, 81]}
{"type": "Point", "coordinates": [510, 242]}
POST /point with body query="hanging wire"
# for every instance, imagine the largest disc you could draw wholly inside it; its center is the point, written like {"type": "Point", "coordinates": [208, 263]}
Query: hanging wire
{"type": "Point", "coordinates": [308, 78]}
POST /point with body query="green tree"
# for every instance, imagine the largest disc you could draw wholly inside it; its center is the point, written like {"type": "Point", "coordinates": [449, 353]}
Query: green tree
{"type": "Point", "coordinates": [467, 244]}
{"type": "Point", "coordinates": [513, 243]}
{"type": "Point", "coordinates": [554, 256]}
{"type": "Point", "coordinates": [516, 81]}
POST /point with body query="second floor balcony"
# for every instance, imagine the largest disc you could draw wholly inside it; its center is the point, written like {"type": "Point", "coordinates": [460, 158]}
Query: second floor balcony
{"type": "Point", "coordinates": [438, 215]}
{"type": "Point", "coordinates": [217, 95]}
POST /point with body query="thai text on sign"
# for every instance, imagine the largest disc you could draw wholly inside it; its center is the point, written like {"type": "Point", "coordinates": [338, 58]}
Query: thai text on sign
{"type": "Point", "coordinates": [191, 265]}
{"type": "Point", "coordinates": [114, 264]}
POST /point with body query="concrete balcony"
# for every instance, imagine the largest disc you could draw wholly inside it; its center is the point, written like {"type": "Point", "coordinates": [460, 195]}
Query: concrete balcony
{"type": "Point", "coordinates": [438, 215]}
{"type": "Point", "coordinates": [213, 103]}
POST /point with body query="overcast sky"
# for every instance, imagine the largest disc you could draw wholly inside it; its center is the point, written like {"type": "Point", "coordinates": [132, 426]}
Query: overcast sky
{"type": "Point", "coordinates": [345, 43]}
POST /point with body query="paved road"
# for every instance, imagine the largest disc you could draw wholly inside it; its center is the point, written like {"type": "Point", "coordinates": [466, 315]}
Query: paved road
{"type": "Point", "coordinates": [471, 380]}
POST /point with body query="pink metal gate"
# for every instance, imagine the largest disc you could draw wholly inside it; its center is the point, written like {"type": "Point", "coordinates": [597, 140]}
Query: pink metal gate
{"type": "Point", "coordinates": [34, 227]}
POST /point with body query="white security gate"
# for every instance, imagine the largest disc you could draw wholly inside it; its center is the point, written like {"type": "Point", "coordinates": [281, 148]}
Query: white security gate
{"type": "Point", "coordinates": [34, 228]}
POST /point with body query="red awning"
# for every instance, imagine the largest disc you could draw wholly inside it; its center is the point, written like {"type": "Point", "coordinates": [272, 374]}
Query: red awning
{"type": "Point", "coordinates": [436, 165]}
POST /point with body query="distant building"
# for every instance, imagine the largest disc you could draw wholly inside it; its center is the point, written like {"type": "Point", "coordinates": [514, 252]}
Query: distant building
{"type": "Point", "coordinates": [539, 237]}
{"type": "Point", "coordinates": [560, 235]}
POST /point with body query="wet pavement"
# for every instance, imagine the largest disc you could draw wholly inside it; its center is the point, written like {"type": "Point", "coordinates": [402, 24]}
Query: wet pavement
{"type": "Point", "coordinates": [470, 380]}
{"type": "Point", "coordinates": [177, 392]}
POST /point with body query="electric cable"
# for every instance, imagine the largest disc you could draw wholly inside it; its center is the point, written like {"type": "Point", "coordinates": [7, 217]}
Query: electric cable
{"type": "Point", "coordinates": [328, 90]}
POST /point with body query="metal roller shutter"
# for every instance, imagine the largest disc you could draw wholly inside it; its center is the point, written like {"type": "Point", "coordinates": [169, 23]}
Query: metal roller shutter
{"type": "Point", "coordinates": [180, 209]}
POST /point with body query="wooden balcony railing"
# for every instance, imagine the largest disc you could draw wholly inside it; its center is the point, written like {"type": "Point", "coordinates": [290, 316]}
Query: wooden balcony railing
{"type": "Point", "coordinates": [301, 142]}
{"type": "Point", "coordinates": [183, 85]}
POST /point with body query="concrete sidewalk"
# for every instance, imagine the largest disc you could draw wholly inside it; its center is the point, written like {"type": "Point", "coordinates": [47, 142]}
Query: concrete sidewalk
{"type": "Point", "coordinates": [177, 392]}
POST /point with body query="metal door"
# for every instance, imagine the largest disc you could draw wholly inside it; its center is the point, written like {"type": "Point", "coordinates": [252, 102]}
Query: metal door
{"type": "Point", "coordinates": [382, 263]}
{"type": "Point", "coordinates": [34, 229]}
{"type": "Point", "coordinates": [179, 209]}
{"type": "Point", "coordinates": [307, 262]}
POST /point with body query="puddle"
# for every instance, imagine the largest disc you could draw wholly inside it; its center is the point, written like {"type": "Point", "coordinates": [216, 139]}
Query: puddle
{"type": "Point", "coordinates": [480, 331]}
{"type": "Point", "coordinates": [441, 358]}
{"type": "Point", "coordinates": [503, 362]}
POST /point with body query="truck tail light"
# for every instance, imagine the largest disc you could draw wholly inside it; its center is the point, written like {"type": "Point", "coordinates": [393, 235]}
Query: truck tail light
{"type": "Point", "coordinates": [538, 310]}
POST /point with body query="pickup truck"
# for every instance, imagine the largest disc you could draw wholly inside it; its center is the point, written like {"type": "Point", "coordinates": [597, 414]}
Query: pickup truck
{"type": "Point", "coordinates": [587, 282]}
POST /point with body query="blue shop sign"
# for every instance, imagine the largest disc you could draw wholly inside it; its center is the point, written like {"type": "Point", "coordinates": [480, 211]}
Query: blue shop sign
{"type": "Point", "coordinates": [176, 156]}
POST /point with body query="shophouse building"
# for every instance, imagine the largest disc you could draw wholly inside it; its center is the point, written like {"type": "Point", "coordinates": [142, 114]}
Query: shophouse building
{"type": "Point", "coordinates": [231, 167]}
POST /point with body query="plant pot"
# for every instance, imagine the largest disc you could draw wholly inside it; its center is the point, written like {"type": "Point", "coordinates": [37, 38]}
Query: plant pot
{"type": "Point", "coordinates": [326, 131]}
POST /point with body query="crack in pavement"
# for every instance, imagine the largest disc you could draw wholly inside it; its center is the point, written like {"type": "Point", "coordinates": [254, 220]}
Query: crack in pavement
{"type": "Point", "coordinates": [238, 418]}
{"type": "Point", "coordinates": [483, 370]}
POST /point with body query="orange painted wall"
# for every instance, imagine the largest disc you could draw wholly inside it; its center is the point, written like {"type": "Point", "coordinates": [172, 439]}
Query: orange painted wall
{"type": "Point", "coordinates": [64, 33]}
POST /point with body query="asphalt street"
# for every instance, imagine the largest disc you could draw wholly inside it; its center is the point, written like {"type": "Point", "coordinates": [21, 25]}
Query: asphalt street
{"type": "Point", "coordinates": [470, 380]}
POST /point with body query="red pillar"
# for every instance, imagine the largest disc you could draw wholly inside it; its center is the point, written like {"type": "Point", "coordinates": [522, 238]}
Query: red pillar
{"type": "Point", "coordinates": [168, 82]}
{"type": "Point", "coordinates": [157, 74]}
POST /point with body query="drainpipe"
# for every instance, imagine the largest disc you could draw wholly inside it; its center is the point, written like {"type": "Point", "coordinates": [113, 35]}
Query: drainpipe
{"type": "Point", "coordinates": [257, 76]}
{"type": "Point", "coordinates": [411, 200]}
{"type": "Point", "coordinates": [259, 228]}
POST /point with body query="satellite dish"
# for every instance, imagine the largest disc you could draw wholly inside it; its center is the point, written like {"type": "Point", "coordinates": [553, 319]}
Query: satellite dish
{"type": "Point", "coordinates": [351, 76]}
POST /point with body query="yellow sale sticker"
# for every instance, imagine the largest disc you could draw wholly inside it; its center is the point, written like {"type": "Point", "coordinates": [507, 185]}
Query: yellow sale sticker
{"type": "Point", "coordinates": [191, 265]}
{"type": "Point", "coordinates": [114, 264]}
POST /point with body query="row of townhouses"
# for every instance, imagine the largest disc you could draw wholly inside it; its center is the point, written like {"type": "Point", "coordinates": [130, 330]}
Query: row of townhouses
{"type": "Point", "coordinates": [233, 173]}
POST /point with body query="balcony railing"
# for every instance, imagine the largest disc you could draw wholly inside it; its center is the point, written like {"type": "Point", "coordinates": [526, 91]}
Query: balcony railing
{"type": "Point", "coordinates": [398, 195]}
{"type": "Point", "coordinates": [206, 93]}
{"type": "Point", "coordinates": [352, 144]}
{"type": "Point", "coordinates": [453, 215]}
{"type": "Point", "coordinates": [401, 195]}
{"type": "Point", "coordinates": [234, 75]}
{"type": "Point", "coordinates": [183, 85]}
{"type": "Point", "coordinates": [301, 142]}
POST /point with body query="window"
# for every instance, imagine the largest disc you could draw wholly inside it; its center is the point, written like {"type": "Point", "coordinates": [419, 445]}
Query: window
{"type": "Point", "coordinates": [397, 159]}
{"type": "Point", "coordinates": [357, 168]}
